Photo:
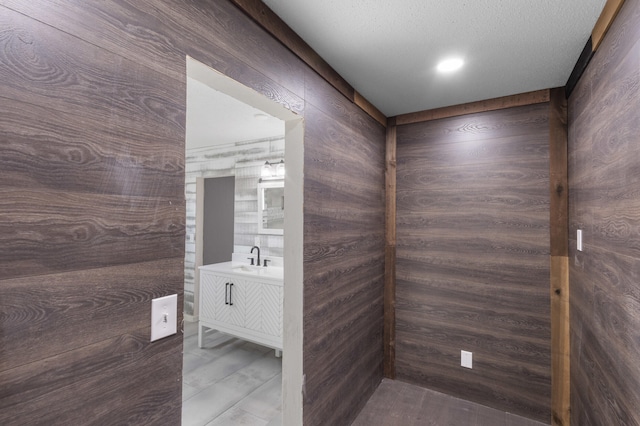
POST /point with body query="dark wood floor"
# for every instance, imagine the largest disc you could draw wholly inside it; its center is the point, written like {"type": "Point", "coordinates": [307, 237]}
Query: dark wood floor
{"type": "Point", "coordinates": [402, 404]}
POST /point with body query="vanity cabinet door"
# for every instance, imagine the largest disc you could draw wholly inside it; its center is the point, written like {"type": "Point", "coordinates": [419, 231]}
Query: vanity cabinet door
{"type": "Point", "coordinates": [222, 299]}
{"type": "Point", "coordinates": [272, 313]}
{"type": "Point", "coordinates": [233, 311]}
{"type": "Point", "coordinates": [212, 289]}
{"type": "Point", "coordinates": [264, 308]}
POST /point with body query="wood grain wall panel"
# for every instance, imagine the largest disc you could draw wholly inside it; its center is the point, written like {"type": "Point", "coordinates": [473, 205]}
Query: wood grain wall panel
{"type": "Point", "coordinates": [473, 257]}
{"type": "Point", "coordinates": [62, 152]}
{"type": "Point", "coordinates": [46, 67]}
{"type": "Point", "coordinates": [219, 22]}
{"type": "Point", "coordinates": [271, 22]}
{"type": "Point", "coordinates": [88, 384]}
{"type": "Point", "coordinates": [79, 308]}
{"type": "Point", "coordinates": [50, 231]}
{"type": "Point", "coordinates": [604, 173]}
{"type": "Point", "coordinates": [581, 305]}
{"type": "Point", "coordinates": [161, 33]}
{"type": "Point", "coordinates": [344, 262]}
{"type": "Point", "coordinates": [93, 104]}
{"type": "Point", "coordinates": [320, 94]}
{"type": "Point", "coordinates": [118, 27]}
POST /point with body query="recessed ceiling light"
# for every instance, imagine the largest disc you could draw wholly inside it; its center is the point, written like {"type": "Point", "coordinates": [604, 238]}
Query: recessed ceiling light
{"type": "Point", "coordinates": [450, 65]}
{"type": "Point", "coordinates": [260, 117]}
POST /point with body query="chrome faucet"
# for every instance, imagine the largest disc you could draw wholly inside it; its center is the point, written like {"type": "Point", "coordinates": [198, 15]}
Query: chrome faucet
{"type": "Point", "coordinates": [256, 247]}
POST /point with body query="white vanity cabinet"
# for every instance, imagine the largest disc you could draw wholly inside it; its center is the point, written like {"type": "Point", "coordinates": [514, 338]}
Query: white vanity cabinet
{"type": "Point", "coordinates": [242, 303]}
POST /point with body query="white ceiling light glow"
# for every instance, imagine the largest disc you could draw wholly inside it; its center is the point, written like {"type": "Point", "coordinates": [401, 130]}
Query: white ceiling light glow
{"type": "Point", "coordinates": [450, 65]}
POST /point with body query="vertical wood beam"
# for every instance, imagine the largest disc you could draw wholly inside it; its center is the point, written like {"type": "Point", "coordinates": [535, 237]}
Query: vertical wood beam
{"type": "Point", "coordinates": [559, 248]}
{"type": "Point", "coordinates": [390, 254]}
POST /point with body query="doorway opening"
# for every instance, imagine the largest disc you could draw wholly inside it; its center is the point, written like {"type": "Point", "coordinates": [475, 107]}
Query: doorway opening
{"type": "Point", "coordinates": [221, 145]}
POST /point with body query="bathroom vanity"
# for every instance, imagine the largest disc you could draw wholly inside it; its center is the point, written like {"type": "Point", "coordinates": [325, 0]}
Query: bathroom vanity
{"type": "Point", "coordinates": [242, 300]}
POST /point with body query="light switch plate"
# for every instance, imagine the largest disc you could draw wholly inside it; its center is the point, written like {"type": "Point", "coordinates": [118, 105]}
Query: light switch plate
{"type": "Point", "coordinates": [164, 316]}
{"type": "Point", "coordinates": [579, 239]}
{"type": "Point", "coordinates": [466, 359]}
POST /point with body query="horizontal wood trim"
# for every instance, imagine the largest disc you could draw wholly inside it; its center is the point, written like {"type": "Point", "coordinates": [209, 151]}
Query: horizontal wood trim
{"type": "Point", "coordinates": [370, 109]}
{"type": "Point", "coordinates": [560, 342]}
{"type": "Point", "coordinates": [275, 26]}
{"type": "Point", "coordinates": [529, 98]}
{"type": "Point", "coordinates": [609, 13]}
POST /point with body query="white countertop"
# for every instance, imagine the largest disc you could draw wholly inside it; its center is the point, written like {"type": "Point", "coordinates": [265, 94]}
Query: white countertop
{"type": "Point", "coordinates": [272, 274]}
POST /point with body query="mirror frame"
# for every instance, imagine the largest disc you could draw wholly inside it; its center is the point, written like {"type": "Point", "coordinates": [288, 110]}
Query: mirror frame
{"type": "Point", "coordinates": [262, 186]}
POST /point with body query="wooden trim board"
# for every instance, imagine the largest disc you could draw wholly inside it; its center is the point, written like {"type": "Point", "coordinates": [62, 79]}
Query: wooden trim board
{"type": "Point", "coordinates": [369, 108]}
{"type": "Point", "coordinates": [609, 13]}
{"type": "Point", "coordinates": [559, 266]}
{"type": "Point", "coordinates": [389, 338]}
{"type": "Point", "coordinates": [522, 99]}
{"type": "Point", "coordinates": [558, 176]}
{"type": "Point", "coordinates": [560, 342]}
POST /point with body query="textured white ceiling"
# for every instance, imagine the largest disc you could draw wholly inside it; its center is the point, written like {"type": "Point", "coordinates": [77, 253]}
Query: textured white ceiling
{"type": "Point", "coordinates": [388, 50]}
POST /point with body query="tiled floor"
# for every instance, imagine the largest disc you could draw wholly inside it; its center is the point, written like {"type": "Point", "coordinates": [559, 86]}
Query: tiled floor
{"type": "Point", "coordinates": [396, 403]}
{"type": "Point", "coordinates": [229, 382]}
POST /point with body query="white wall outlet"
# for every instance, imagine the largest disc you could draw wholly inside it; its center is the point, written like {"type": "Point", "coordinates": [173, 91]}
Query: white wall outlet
{"type": "Point", "coordinates": [579, 239]}
{"type": "Point", "coordinates": [466, 359]}
{"type": "Point", "coordinates": [164, 316]}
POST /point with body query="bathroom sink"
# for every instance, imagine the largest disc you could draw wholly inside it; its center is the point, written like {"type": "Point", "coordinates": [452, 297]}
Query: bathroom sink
{"type": "Point", "coordinates": [248, 268]}
{"type": "Point", "coordinates": [259, 271]}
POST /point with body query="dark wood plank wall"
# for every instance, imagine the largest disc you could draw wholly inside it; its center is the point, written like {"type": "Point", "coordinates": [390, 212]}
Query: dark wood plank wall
{"type": "Point", "coordinates": [604, 202]}
{"type": "Point", "coordinates": [343, 256]}
{"type": "Point", "coordinates": [92, 115]}
{"type": "Point", "coordinates": [473, 257]}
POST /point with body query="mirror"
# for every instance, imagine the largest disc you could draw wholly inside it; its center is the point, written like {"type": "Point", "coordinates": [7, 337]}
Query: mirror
{"type": "Point", "coordinates": [271, 207]}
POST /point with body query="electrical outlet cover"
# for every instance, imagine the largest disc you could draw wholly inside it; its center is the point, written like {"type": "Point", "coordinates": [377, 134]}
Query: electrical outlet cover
{"type": "Point", "coordinates": [164, 317]}
{"type": "Point", "coordinates": [466, 359]}
{"type": "Point", "coordinates": [579, 239]}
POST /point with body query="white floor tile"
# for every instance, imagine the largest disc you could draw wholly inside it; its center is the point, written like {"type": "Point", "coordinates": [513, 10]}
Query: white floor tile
{"type": "Point", "coordinates": [235, 417]}
{"type": "Point", "coordinates": [219, 378]}
{"type": "Point", "coordinates": [266, 401]}
{"type": "Point", "coordinates": [276, 421]}
{"type": "Point", "coordinates": [224, 366]}
{"type": "Point", "coordinates": [188, 391]}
